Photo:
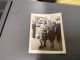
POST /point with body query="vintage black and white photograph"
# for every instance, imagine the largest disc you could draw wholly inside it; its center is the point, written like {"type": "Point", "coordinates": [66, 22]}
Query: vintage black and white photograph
{"type": "Point", "coordinates": [46, 34]}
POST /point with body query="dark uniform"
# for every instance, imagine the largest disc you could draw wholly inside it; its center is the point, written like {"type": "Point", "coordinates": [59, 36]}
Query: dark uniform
{"type": "Point", "coordinates": [58, 31]}
{"type": "Point", "coordinates": [34, 30]}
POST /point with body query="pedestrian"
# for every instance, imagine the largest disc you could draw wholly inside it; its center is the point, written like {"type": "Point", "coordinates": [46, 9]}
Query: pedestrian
{"type": "Point", "coordinates": [34, 29]}
{"type": "Point", "coordinates": [58, 31]}
{"type": "Point", "coordinates": [44, 29]}
{"type": "Point", "coordinates": [51, 33]}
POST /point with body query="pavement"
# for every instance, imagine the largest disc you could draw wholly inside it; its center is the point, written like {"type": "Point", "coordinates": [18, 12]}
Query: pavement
{"type": "Point", "coordinates": [35, 43]}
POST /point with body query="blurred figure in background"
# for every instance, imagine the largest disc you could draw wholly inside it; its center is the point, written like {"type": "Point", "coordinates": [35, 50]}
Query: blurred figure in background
{"type": "Point", "coordinates": [58, 28]}
{"type": "Point", "coordinates": [34, 29]}
{"type": "Point", "coordinates": [58, 32]}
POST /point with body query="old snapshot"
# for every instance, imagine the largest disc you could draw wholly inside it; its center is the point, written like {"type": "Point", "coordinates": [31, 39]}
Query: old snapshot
{"type": "Point", "coordinates": [46, 34]}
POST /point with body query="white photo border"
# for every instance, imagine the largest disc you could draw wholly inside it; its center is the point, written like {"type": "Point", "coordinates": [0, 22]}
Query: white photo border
{"type": "Point", "coordinates": [48, 52]}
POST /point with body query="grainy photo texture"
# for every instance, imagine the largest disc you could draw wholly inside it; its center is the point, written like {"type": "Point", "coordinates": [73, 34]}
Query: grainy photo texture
{"type": "Point", "coordinates": [46, 34]}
